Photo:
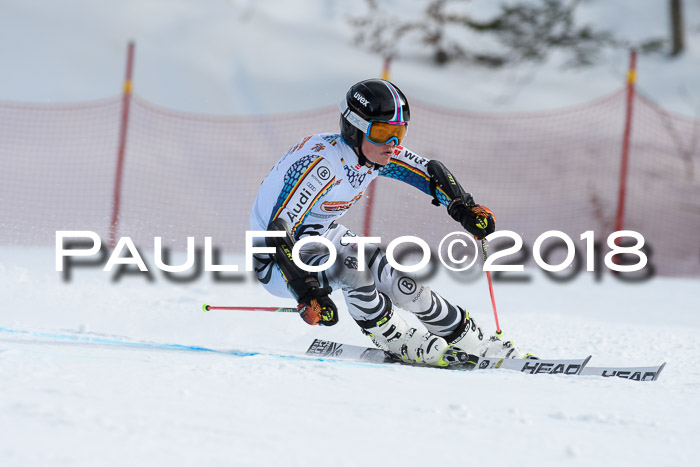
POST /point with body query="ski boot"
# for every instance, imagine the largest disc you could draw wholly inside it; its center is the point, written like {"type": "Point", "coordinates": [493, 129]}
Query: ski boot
{"type": "Point", "coordinates": [391, 333]}
{"type": "Point", "coordinates": [498, 348]}
{"type": "Point", "coordinates": [470, 338]}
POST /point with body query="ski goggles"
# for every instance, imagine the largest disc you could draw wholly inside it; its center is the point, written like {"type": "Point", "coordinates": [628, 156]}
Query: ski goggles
{"type": "Point", "coordinates": [386, 132]}
{"type": "Point", "coordinates": [376, 131]}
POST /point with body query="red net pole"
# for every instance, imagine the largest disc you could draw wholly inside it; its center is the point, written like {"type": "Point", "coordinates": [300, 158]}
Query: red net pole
{"type": "Point", "coordinates": [631, 78]}
{"type": "Point", "coordinates": [368, 210]}
{"type": "Point", "coordinates": [126, 101]}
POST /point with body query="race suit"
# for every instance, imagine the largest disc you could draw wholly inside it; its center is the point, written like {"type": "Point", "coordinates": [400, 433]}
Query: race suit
{"type": "Point", "coordinates": [311, 187]}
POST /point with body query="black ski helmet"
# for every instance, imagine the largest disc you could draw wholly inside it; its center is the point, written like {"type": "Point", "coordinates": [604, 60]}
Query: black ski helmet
{"type": "Point", "coordinates": [366, 101]}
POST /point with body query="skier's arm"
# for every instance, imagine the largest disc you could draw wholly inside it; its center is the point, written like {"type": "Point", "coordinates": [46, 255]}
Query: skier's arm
{"type": "Point", "coordinates": [433, 178]}
{"type": "Point", "coordinates": [477, 220]}
{"type": "Point", "coordinates": [314, 303]}
{"type": "Point", "coordinates": [411, 168]}
{"type": "Point", "coordinates": [305, 183]}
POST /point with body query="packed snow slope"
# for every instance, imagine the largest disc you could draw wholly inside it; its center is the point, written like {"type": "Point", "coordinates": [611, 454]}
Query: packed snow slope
{"type": "Point", "coordinates": [69, 396]}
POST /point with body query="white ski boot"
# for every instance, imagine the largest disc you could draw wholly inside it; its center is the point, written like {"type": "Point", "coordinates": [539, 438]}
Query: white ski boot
{"type": "Point", "coordinates": [498, 348]}
{"type": "Point", "coordinates": [470, 338]}
{"type": "Point", "coordinates": [391, 333]}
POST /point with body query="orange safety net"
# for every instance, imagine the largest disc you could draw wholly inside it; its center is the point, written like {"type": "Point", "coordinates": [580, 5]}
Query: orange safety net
{"type": "Point", "coordinates": [197, 175]}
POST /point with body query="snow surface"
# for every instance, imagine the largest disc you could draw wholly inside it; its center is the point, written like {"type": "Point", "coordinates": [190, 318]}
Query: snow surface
{"type": "Point", "coordinates": [67, 401]}
{"type": "Point", "coordinates": [64, 401]}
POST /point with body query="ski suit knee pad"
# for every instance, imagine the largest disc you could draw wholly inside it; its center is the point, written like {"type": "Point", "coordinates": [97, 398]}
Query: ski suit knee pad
{"type": "Point", "coordinates": [437, 314]}
{"type": "Point", "coordinates": [408, 293]}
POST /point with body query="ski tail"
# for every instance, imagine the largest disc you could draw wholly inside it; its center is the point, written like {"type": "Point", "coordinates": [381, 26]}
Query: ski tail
{"type": "Point", "coordinates": [633, 373]}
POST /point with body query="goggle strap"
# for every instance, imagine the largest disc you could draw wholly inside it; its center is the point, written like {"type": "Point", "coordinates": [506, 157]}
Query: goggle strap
{"type": "Point", "coordinates": [354, 119]}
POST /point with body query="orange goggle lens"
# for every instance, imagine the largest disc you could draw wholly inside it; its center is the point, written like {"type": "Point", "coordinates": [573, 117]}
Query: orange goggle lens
{"type": "Point", "coordinates": [384, 132]}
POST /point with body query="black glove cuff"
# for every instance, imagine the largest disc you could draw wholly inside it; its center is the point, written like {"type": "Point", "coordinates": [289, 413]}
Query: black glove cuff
{"type": "Point", "coordinates": [454, 206]}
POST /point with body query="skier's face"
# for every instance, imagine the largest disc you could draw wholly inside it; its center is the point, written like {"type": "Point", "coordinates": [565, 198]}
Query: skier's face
{"type": "Point", "coordinates": [378, 153]}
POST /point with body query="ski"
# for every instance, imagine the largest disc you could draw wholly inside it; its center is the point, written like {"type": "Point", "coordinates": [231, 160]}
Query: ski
{"type": "Point", "coordinates": [634, 373]}
{"type": "Point", "coordinates": [330, 349]}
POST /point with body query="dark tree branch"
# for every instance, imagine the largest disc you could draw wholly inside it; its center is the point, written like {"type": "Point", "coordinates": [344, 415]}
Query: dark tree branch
{"type": "Point", "coordinates": [521, 31]}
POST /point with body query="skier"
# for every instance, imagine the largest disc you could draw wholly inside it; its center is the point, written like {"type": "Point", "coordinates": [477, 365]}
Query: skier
{"type": "Point", "coordinates": [316, 182]}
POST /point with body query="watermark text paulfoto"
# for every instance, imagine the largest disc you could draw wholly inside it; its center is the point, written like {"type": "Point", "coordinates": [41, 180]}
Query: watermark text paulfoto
{"type": "Point", "coordinates": [457, 252]}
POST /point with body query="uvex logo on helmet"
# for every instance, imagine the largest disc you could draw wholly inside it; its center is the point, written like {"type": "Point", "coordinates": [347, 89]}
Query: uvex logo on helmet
{"type": "Point", "coordinates": [363, 100]}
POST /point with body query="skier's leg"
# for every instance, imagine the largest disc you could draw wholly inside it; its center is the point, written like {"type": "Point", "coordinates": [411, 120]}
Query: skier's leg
{"type": "Point", "coordinates": [364, 303]}
{"type": "Point", "coordinates": [374, 311]}
{"type": "Point", "coordinates": [439, 316]}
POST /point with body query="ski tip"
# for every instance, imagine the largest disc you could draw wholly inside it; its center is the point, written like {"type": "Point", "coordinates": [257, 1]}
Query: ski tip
{"type": "Point", "coordinates": [205, 307]}
{"type": "Point", "coordinates": [658, 372]}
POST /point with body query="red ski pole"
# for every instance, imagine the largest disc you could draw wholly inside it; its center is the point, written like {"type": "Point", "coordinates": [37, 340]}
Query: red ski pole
{"type": "Point", "coordinates": [206, 307]}
{"type": "Point", "coordinates": [493, 300]}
